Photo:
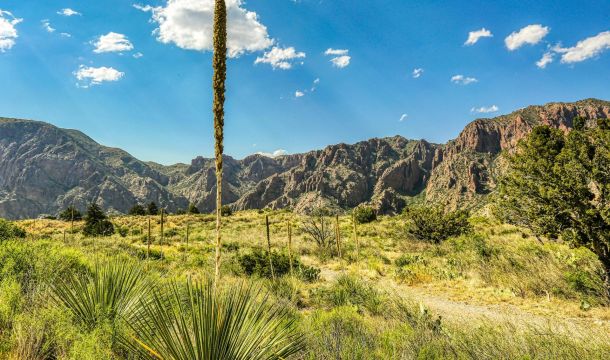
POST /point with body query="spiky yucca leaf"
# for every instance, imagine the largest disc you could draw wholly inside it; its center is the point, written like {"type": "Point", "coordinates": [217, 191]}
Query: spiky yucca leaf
{"type": "Point", "coordinates": [195, 322]}
{"type": "Point", "coordinates": [112, 292]}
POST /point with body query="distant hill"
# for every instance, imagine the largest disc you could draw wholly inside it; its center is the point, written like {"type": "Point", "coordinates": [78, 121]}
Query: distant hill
{"type": "Point", "coordinates": [44, 168]}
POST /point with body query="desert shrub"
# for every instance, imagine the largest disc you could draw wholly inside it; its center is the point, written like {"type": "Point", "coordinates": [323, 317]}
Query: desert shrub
{"type": "Point", "coordinates": [407, 259]}
{"type": "Point", "coordinates": [349, 290]}
{"type": "Point", "coordinates": [97, 223]}
{"type": "Point", "coordinates": [9, 230]}
{"type": "Point", "coordinates": [226, 210]}
{"type": "Point", "coordinates": [341, 333]}
{"type": "Point", "coordinates": [152, 208]}
{"type": "Point", "coordinates": [434, 224]}
{"type": "Point", "coordinates": [10, 301]}
{"type": "Point", "coordinates": [257, 263]}
{"type": "Point", "coordinates": [192, 209]}
{"type": "Point", "coordinates": [319, 228]}
{"type": "Point", "coordinates": [137, 210]}
{"type": "Point", "coordinates": [70, 213]}
{"type": "Point", "coordinates": [364, 214]}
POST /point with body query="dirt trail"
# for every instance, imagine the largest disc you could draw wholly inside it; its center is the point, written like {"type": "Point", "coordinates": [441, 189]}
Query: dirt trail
{"type": "Point", "coordinates": [461, 311]}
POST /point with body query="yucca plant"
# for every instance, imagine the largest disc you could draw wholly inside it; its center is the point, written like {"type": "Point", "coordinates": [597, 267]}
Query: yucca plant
{"type": "Point", "coordinates": [112, 292]}
{"type": "Point", "coordinates": [197, 322]}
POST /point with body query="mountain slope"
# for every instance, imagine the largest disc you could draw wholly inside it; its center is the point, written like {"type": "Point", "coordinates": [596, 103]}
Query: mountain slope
{"type": "Point", "coordinates": [44, 169]}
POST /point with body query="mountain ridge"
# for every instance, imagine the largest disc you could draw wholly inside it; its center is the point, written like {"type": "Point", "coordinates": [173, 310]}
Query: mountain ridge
{"type": "Point", "coordinates": [44, 168]}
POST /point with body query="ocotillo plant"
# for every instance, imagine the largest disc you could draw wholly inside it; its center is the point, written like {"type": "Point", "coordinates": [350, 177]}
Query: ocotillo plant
{"type": "Point", "coordinates": [338, 235]}
{"type": "Point", "coordinates": [148, 240]}
{"type": "Point", "coordinates": [219, 62]}
{"type": "Point", "coordinates": [356, 238]}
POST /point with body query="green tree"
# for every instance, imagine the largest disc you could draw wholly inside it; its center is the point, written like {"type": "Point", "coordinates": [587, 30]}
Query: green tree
{"type": "Point", "coordinates": [97, 223]}
{"type": "Point", "coordinates": [137, 210]}
{"type": "Point", "coordinates": [364, 214]}
{"type": "Point", "coordinates": [70, 213]}
{"type": "Point", "coordinates": [226, 210]}
{"type": "Point", "coordinates": [152, 208]}
{"type": "Point", "coordinates": [559, 185]}
{"type": "Point", "coordinates": [434, 224]}
{"type": "Point", "coordinates": [193, 209]}
{"type": "Point", "coordinates": [219, 63]}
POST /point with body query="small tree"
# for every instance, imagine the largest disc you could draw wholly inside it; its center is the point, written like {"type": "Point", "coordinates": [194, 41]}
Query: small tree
{"type": "Point", "coordinates": [97, 223]}
{"type": "Point", "coordinates": [152, 208]}
{"type": "Point", "coordinates": [364, 214]}
{"type": "Point", "coordinates": [434, 224]}
{"type": "Point", "coordinates": [137, 210]}
{"type": "Point", "coordinates": [70, 213]}
{"type": "Point", "coordinates": [193, 209]}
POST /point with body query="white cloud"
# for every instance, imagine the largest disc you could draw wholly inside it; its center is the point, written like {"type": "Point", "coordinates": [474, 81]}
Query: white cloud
{"type": "Point", "coordinates": [531, 34]}
{"type": "Point", "coordinates": [67, 35]}
{"type": "Point", "coordinates": [280, 58]}
{"type": "Point", "coordinates": [276, 153]}
{"type": "Point", "coordinates": [417, 73]}
{"type": "Point", "coordinates": [341, 58]}
{"type": "Point", "coordinates": [138, 55]}
{"type": "Point", "coordinates": [8, 31]}
{"type": "Point", "coordinates": [463, 80]}
{"type": "Point", "coordinates": [314, 87]}
{"type": "Point", "coordinates": [89, 76]}
{"type": "Point", "coordinates": [68, 12]}
{"type": "Point", "coordinates": [585, 49]}
{"type": "Point", "coordinates": [546, 59]}
{"type": "Point", "coordinates": [112, 42]}
{"type": "Point", "coordinates": [189, 23]}
{"type": "Point", "coordinates": [403, 117]}
{"type": "Point", "coordinates": [336, 52]}
{"type": "Point", "coordinates": [484, 110]}
{"type": "Point", "coordinates": [299, 94]}
{"type": "Point", "coordinates": [474, 36]}
{"type": "Point", "coordinates": [46, 24]}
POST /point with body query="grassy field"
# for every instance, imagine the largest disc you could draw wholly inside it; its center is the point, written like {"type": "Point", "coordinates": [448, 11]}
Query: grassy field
{"type": "Point", "coordinates": [495, 293]}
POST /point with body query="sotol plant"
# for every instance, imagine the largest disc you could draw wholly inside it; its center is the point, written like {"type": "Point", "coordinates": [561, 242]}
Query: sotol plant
{"type": "Point", "coordinates": [199, 321]}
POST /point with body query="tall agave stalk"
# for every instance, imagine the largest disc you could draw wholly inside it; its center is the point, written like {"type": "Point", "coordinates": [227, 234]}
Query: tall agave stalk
{"type": "Point", "coordinates": [219, 63]}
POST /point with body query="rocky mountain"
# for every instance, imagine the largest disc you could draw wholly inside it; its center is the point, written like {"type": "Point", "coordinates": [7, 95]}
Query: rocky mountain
{"type": "Point", "coordinates": [44, 169]}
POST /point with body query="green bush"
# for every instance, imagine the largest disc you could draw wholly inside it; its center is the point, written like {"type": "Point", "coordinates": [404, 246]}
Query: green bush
{"type": "Point", "coordinates": [70, 213]}
{"type": "Point", "coordinates": [434, 224]}
{"type": "Point", "coordinates": [351, 291]}
{"type": "Point", "coordinates": [364, 214]}
{"type": "Point", "coordinates": [257, 263]}
{"type": "Point", "coordinates": [9, 230]}
{"type": "Point", "coordinates": [226, 210]}
{"type": "Point", "coordinates": [137, 210]}
{"type": "Point", "coordinates": [192, 209]}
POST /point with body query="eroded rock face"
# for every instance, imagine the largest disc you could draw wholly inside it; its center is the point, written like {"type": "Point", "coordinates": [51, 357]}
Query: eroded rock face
{"type": "Point", "coordinates": [44, 169]}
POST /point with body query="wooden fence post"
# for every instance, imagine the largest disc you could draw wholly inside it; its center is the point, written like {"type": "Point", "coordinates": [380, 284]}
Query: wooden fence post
{"type": "Point", "coordinates": [290, 245]}
{"type": "Point", "coordinates": [338, 235]}
{"type": "Point", "coordinates": [269, 247]}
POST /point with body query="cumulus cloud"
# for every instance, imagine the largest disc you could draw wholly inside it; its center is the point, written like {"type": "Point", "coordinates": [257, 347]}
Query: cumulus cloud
{"type": "Point", "coordinates": [546, 59]}
{"type": "Point", "coordinates": [403, 117]}
{"type": "Point", "coordinates": [68, 12]}
{"type": "Point", "coordinates": [8, 30]}
{"type": "Point", "coordinates": [463, 80]}
{"type": "Point", "coordinates": [585, 49]}
{"type": "Point", "coordinates": [46, 24]}
{"type": "Point", "coordinates": [188, 24]}
{"type": "Point", "coordinates": [112, 42]}
{"type": "Point", "coordinates": [90, 76]}
{"type": "Point", "coordinates": [280, 58]}
{"type": "Point", "coordinates": [474, 36]}
{"type": "Point", "coordinates": [484, 109]}
{"type": "Point", "coordinates": [299, 94]}
{"type": "Point", "coordinates": [276, 153]}
{"type": "Point", "coordinates": [417, 73]}
{"type": "Point", "coordinates": [340, 59]}
{"type": "Point", "coordinates": [531, 35]}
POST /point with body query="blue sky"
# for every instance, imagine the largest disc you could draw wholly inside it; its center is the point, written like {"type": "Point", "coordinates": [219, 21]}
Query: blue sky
{"type": "Point", "coordinates": [302, 75]}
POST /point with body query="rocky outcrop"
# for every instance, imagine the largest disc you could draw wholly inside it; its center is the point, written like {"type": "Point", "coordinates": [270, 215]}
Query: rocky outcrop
{"type": "Point", "coordinates": [44, 169]}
